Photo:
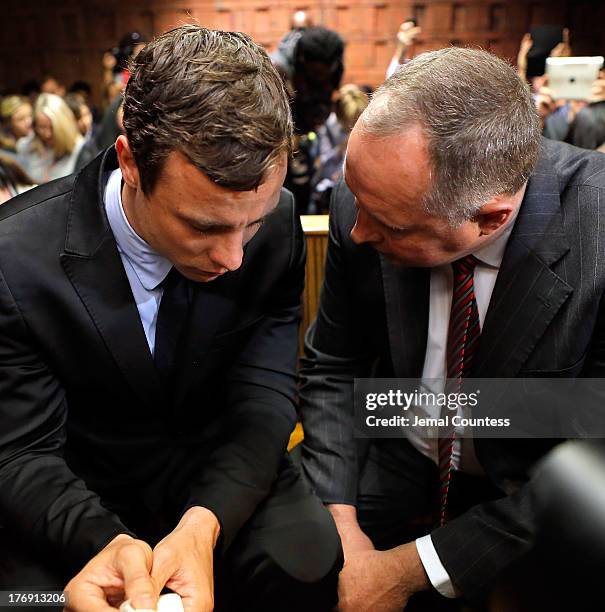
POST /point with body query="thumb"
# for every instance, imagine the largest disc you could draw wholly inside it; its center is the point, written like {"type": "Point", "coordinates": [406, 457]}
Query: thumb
{"type": "Point", "coordinates": [133, 562]}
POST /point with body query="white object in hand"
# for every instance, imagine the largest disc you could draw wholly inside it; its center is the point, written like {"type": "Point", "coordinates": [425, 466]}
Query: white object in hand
{"type": "Point", "coordinates": [171, 602]}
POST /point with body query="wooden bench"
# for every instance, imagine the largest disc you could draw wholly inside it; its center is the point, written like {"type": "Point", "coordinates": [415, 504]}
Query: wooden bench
{"type": "Point", "coordinates": [316, 236]}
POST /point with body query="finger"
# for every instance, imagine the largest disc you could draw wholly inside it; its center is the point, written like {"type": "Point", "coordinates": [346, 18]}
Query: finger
{"type": "Point", "coordinates": [87, 597]}
{"type": "Point", "coordinates": [133, 562]}
{"type": "Point", "coordinates": [201, 604]}
{"type": "Point", "coordinates": [197, 595]}
{"type": "Point", "coordinates": [566, 35]}
{"type": "Point", "coordinates": [161, 572]}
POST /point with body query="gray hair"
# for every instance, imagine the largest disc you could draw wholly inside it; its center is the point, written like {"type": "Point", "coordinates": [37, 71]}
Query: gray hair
{"type": "Point", "coordinates": [482, 127]}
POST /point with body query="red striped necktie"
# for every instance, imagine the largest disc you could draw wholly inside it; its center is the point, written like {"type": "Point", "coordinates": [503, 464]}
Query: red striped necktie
{"type": "Point", "coordinates": [462, 342]}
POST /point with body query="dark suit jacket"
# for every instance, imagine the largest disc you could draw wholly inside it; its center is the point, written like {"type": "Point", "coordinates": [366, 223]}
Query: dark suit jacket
{"type": "Point", "coordinates": [90, 444]}
{"type": "Point", "coordinates": [587, 130]}
{"type": "Point", "coordinates": [545, 318]}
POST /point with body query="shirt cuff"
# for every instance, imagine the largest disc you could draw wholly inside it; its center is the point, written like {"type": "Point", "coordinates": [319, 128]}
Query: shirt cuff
{"type": "Point", "coordinates": [434, 569]}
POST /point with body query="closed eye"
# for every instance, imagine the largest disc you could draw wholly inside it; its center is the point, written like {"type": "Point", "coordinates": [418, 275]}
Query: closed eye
{"type": "Point", "coordinates": [397, 230]}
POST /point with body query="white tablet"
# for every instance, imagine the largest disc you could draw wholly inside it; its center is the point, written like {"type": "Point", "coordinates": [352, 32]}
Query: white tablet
{"type": "Point", "coordinates": [571, 78]}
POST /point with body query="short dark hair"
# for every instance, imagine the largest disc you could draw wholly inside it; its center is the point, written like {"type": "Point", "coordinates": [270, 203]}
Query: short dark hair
{"type": "Point", "coordinates": [213, 96]}
{"type": "Point", "coordinates": [480, 121]}
{"type": "Point", "coordinates": [319, 44]}
{"type": "Point", "coordinates": [79, 87]}
{"type": "Point", "coordinates": [12, 174]}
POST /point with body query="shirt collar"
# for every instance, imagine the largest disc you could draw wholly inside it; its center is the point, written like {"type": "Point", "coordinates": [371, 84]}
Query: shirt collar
{"type": "Point", "coordinates": [150, 267]}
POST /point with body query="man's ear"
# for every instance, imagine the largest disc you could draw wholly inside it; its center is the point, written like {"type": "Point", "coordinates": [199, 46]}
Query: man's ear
{"type": "Point", "coordinates": [494, 214]}
{"type": "Point", "coordinates": [128, 166]}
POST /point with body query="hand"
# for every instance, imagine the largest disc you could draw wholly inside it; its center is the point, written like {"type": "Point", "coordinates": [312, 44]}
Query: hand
{"type": "Point", "coordinates": [353, 539]}
{"type": "Point", "coordinates": [526, 44]}
{"type": "Point", "coordinates": [381, 581]}
{"type": "Point", "coordinates": [120, 571]}
{"type": "Point", "coordinates": [597, 93]}
{"type": "Point", "coordinates": [545, 103]}
{"type": "Point", "coordinates": [109, 61]}
{"type": "Point", "coordinates": [183, 560]}
{"type": "Point", "coordinates": [563, 49]}
{"type": "Point", "coordinates": [407, 34]}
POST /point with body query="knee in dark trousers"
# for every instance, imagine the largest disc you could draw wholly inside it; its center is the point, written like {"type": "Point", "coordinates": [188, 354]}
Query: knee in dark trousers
{"type": "Point", "coordinates": [288, 555]}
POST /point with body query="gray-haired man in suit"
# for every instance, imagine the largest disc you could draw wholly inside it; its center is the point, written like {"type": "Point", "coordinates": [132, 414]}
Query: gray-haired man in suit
{"type": "Point", "coordinates": [446, 168]}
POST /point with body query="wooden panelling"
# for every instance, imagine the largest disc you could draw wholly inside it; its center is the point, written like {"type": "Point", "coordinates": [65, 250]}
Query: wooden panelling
{"type": "Point", "coordinates": [316, 235]}
{"type": "Point", "coordinates": [496, 17]}
{"type": "Point", "coordinates": [68, 37]}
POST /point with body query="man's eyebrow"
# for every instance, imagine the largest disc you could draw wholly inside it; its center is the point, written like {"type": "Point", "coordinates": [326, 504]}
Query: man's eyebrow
{"type": "Point", "coordinates": [379, 221]}
{"type": "Point", "coordinates": [217, 225]}
{"type": "Point", "coordinates": [367, 212]}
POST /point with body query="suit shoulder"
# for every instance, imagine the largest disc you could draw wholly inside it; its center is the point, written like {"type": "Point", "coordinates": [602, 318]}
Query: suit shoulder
{"type": "Point", "coordinates": [38, 196]}
{"type": "Point", "coordinates": [576, 167]}
{"type": "Point", "coordinates": [286, 201]}
{"type": "Point", "coordinates": [33, 226]}
{"type": "Point", "coordinates": [280, 228]}
{"type": "Point", "coordinates": [342, 209]}
{"type": "Point", "coordinates": [282, 218]}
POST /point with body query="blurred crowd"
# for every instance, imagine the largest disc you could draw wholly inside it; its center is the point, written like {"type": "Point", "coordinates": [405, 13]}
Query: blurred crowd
{"type": "Point", "coordinates": [48, 131]}
{"type": "Point", "coordinates": [577, 122]}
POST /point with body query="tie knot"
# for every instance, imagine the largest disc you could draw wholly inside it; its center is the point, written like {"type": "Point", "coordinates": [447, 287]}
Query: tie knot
{"type": "Point", "coordinates": [172, 278]}
{"type": "Point", "coordinates": [175, 287]}
{"type": "Point", "coordinates": [465, 265]}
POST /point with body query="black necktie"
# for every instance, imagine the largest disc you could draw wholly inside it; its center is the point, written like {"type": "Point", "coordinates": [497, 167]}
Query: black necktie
{"type": "Point", "coordinates": [172, 319]}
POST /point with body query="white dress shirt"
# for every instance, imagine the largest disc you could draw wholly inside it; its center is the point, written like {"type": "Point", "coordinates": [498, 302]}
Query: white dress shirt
{"type": "Point", "coordinates": [435, 369]}
{"type": "Point", "coordinates": [144, 268]}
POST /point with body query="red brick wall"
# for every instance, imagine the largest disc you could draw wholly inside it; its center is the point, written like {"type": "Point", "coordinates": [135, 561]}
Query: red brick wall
{"type": "Point", "coordinates": [67, 38]}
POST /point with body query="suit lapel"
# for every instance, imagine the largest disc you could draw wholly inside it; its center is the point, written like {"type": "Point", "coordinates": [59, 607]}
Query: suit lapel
{"type": "Point", "coordinates": [94, 267]}
{"type": "Point", "coordinates": [527, 294]}
{"type": "Point", "coordinates": [406, 293]}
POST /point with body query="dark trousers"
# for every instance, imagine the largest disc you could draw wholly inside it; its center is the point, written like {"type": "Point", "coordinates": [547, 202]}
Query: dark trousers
{"type": "Point", "coordinates": [287, 556]}
{"type": "Point", "coordinates": [398, 502]}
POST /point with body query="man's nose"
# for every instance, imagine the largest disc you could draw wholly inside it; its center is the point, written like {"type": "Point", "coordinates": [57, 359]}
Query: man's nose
{"type": "Point", "coordinates": [363, 230]}
{"type": "Point", "coordinates": [228, 252]}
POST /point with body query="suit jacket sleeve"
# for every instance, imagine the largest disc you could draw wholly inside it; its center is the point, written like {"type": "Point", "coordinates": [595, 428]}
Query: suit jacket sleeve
{"type": "Point", "coordinates": [39, 494]}
{"type": "Point", "coordinates": [260, 404]}
{"type": "Point", "coordinates": [333, 358]}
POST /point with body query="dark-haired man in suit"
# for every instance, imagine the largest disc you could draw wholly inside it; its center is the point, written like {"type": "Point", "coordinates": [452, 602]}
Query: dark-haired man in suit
{"type": "Point", "coordinates": [149, 308]}
{"type": "Point", "coordinates": [461, 244]}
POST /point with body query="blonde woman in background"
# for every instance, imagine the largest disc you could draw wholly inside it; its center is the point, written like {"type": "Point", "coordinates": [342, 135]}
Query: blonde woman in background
{"type": "Point", "coordinates": [51, 151]}
{"type": "Point", "coordinates": [332, 138]}
{"type": "Point", "coordinates": [16, 122]}
{"type": "Point", "coordinates": [351, 102]}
